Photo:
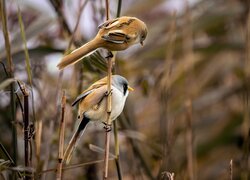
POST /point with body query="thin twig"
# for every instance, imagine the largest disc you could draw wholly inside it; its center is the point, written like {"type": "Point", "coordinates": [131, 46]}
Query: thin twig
{"type": "Point", "coordinates": [73, 166]}
{"type": "Point", "coordinates": [61, 138]}
{"type": "Point", "coordinates": [58, 7]}
{"type": "Point", "coordinates": [77, 24]}
{"type": "Point", "coordinates": [4, 68]}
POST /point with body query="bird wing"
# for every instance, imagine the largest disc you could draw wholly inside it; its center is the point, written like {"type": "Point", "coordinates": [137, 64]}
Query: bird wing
{"type": "Point", "coordinates": [116, 36]}
{"type": "Point", "coordinates": [117, 23]}
{"type": "Point", "coordinates": [92, 100]}
{"type": "Point", "coordinates": [94, 86]}
{"type": "Point", "coordinates": [81, 96]}
{"type": "Point", "coordinates": [109, 24]}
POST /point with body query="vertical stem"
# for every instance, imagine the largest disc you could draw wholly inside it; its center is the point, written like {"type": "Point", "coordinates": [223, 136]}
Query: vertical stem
{"type": "Point", "coordinates": [246, 122]}
{"type": "Point", "coordinates": [119, 8]}
{"type": "Point", "coordinates": [109, 106]}
{"type": "Point", "coordinates": [166, 128]}
{"type": "Point", "coordinates": [109, 109]}
{"type": "Point", "coordinates": [231, 169]}
{"type": "Point", "coordinates": [189, 139]}
{"type": "Point", "coordinates": [61, 138]}
{"type": "Point", "coordinates": [188, 47]}
{"type": "Point", "coordinates": [117, 156]}
{"type": "Point", "coordinates": [107, 9]}
{"type": "Point", "coordinates": [11, 75]}
{"type": "Point", "coordinates": [26, 128]}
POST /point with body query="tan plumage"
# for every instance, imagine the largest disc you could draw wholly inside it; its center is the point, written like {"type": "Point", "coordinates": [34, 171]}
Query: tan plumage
{"type": "Point", "coordinates": [92, 106]}
{"type": "Point", "coordinates": [114, 35]}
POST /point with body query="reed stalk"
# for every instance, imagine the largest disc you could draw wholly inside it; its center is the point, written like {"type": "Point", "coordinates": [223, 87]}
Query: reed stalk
{"type": "Point", "coordinates": [117, 154]}
{"type": "Point", "coordinates": [109, 107]}
{"type": "Point", "coordinates": [10, 69]}
{"type": "Point", "coordinates": [61, 138]}
{"type": "Point", "coordinates": [25, 93]}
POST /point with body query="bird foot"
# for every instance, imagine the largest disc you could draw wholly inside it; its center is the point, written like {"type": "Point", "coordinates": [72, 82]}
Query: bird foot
{"type": "Point", "coordinates": [107, 93]}
{"type": "Point", "coordinates": [109, 55]}
{"type": "Point", "coordinates": [107, 127]}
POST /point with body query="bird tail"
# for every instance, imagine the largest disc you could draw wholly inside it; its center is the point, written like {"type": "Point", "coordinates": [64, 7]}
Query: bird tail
{"type": "Point", "coordinates": [79, 53]}
{"type": "Point", "coordinates": [75, 139]}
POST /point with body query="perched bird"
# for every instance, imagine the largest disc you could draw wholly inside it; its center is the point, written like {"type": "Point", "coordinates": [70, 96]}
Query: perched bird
{"type": "Point", "coordinates": [93, 103]}
{"type": "Point", "coordinates": [114, 35]}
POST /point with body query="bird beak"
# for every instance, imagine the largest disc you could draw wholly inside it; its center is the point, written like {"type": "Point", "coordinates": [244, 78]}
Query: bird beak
{"type": "Point", "coordinates": [130, 88]}
{"type": "Point", "coordinates": [141, 43]}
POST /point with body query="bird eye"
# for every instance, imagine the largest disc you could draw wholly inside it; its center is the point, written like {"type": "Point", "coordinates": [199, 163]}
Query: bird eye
{"type": "Point", "coordinates": [125, 88]}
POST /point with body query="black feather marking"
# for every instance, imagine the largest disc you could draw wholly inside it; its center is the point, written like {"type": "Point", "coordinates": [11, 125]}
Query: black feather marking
{"type": "Point", "coordinates": [84, 122]}
{"type": "Point", "coordinates": [106, 24]}
{"type": "Point", "coordinates": [116, 37]}
{"type": "Point", "coordinates": [81, 96]}
{"type": "Point", "coordinates": [125, 88]}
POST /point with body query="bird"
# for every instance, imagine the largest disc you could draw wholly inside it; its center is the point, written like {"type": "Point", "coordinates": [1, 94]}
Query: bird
{"type": "Point", "coordinates": [114, 35]}
{"type": "Point", "coordinates": [93, 106]}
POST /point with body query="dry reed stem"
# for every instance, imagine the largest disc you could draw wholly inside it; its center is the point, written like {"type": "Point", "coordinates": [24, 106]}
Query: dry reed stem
{"type": "Point", "coordinates": [11, 75]}
{"type": "Point", "coordinates": [109, 107]}
{"type": "Point", "coordinates": [117, 155]}
{"type": "Point", "coordinates": [246, 121]}
{"type": "Point", "coordinates": [61, 138]}
{"type": "Point", "coordinates": [166, 128]}
{"type": "Point", "coordinates": [189, 139]}
{"type": "Point", "coordinates": [231, 169]}
{"type": "Point", "coordinates": [25, 93]}
{"type": "Point", "coordinates": [38, 138]}
{"type": "Point", "coordinates": [188, 47]}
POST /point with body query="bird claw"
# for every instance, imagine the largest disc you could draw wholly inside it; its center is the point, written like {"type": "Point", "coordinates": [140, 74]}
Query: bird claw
{"type": "Point", "coordinates": [109, 55]}
{"type": "Point", "coordinates": [107, 127]}
{"type": "Point", "coordinates": [107, 93]}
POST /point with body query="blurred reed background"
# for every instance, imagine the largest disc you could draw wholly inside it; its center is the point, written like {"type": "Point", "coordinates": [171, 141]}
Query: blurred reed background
{"type": "Point", "coordinates": [188, 115]}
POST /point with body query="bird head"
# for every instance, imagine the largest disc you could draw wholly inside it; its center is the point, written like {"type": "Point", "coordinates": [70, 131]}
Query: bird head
{"type": "Point", "coordinates": [143, 34]}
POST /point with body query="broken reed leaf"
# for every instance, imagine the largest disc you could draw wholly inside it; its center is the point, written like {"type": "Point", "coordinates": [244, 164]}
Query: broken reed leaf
{"type": "Point", "coordinates": [22, 169]}
{"type": "Point", "coordinates": [100, 150]}
{"type": "Point", "coordinates": [4, 163]}
{"type": "Point", "coordinates": [135, 135]}
{"type": "Point", "coordinates": [6, 83]}
{"type": "Point", "coordinates": [35, 28]}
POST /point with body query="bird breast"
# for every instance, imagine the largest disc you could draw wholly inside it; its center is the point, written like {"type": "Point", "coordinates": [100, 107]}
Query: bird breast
{"type": "Point", "coordinates": [99, 112]}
